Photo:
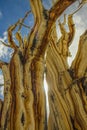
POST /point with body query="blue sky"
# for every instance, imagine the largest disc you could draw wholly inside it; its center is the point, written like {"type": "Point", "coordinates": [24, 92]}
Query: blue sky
{"type": "Point", "coordinates": [11, 11]}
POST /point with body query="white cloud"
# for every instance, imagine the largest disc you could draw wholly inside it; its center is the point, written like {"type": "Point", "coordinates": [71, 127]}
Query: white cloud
{"type": "Point", "coordinates": [1, 79]}
{"type": "Point", "coordinates": [3, 49]}
{"type": "Point", "coordinates": [5, 33]}
{"type": "Point", "coordinates": [5, 52]}
{"type": "Point", "coordinates": [80, 28]}
{"type": "Point", "coordinates": [1, 88]}
{"type": "Point", "coordinates": [78, 20]}
{"type": "Point", "coordinates": [5, 36]}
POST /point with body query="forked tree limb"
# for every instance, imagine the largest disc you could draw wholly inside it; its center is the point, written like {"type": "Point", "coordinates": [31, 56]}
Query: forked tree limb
{"type": "Point", "coordinates": [54, 13]}
{"type": "Point", "coordinates": [61, 25]}
{"type": "Point", "coordinates": [67, 37]}
{"type": "Point", "coordinates": [39, 21]}
{"type": "Point", "coordinates": [24, 25]}
{"type": "Point", "coordinates": [10, 37]}
{"type": "Point", "coordinates": [71, 26]}
{"type": "Point", "coordinates": [23, 19]}
{"type": "Point", "coordinates": [20, 23]}
{"type": "Point", "coordinates": [18, 35]}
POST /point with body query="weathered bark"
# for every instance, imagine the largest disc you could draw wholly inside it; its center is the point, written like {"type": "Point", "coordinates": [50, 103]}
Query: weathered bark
{"type": "Point", "coordinates": [24, 105]}
{"type": "Point", "coordinates": [1, 105]}
{"type": "Point", "coordinates": [67, 109]}
{"type": "Point", "coordinates": [72, 101]}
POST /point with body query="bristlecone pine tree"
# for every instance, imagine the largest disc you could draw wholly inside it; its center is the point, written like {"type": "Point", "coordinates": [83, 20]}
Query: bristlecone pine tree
{"type": "Point", "coordinates": [24, 105]}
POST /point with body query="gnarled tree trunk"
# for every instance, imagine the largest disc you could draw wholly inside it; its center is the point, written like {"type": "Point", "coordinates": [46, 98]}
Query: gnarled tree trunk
{"type": "Point", "coordinates": [24, 105]}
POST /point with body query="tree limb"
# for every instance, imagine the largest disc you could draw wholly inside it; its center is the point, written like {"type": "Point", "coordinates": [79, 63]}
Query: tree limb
{"type": "Point", "coordinates": [66, 37]}
{"type": "Point", "coordinates": [39, 18]}
{"type": "Point", "coordinates": [25, 25]}
{"type": "Point", "coordinates": [75, 82]}
{"type": "Point", "coordinates": [37, 9]}
{"type": "Point", "coordinates": [10, 38]}
{"type": "Point", "coordinates": [54, 13]}
{"type": "Point", "coordinates": [22, 21]}
{"type": "Point", "coordinates": [61, 25]}
{"type": "Point", "coordinates": [82, 2]}
{"type": "Point", "coordinates": [2, 63]}
{"type": "Point", "coordinates": [19, 38]}
{"type": "Point", "coordinates": [7, 95]}
{"type": "Point", "coordinates": [71, 26]}
{"type": "Point", "coordinates": [5, 44]}
{"type": "Point", "coordinates": [79, 64]}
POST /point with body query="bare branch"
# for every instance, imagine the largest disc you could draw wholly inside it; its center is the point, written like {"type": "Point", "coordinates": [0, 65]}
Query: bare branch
{"type": "Point", "coordinates": [64, 22]}
{"type": "Point", "coordinates": [59, 7]}
{"type": "Point", "coordinates": [38, 12]}
{"type": "Point", "coordinates": [22, 21]}
{"type": "Point", "coordinates": [71, 26]}
{"type": "Point", "coordinates": [54, 13]}
{"type": "Point", "coordinates": [19, 38]}
{"type": "Point", "coordinates": [62, 29]}
{"type": "Point", "coordinates": [10, 38]}
{"type": "Point", "coordinates": [5, 44]}
{"type": "Point", "coordinates": [66, 37]}
{"type": "Point", "coordinates": [82, 2]}
{"type": "Point", "coordinates": [75, 82]}
{"type": "Point", "coordinates": [77, 9]}
{"type": "Point", "coordinates": [25, 25]}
